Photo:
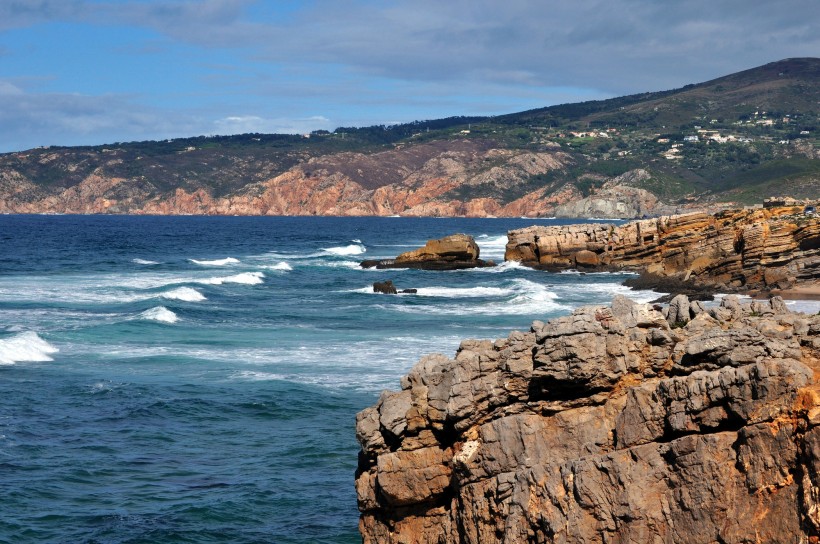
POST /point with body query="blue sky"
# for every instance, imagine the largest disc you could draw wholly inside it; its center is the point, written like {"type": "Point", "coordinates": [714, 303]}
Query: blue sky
{"type": "Point", "coordinates": [76, 72]}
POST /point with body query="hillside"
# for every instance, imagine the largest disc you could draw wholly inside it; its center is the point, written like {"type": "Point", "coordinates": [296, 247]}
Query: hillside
{"type": "Point", "coordinates": [734, 139]}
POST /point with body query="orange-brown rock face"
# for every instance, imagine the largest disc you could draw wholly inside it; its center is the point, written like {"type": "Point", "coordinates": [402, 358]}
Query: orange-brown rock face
{"type": "Point", "coordinates": [450, 178]}
{"type": "Point", "coordinates": [456, 246]}
{"type": "Point", "coordinates": [613, 424]}
{"type": "Point", "coordinates": [770, 248]}
{"type": "Point", "coordinates": [454, 252]}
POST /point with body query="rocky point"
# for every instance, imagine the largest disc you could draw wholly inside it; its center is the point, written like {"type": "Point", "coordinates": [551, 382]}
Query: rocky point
{"type": "Point", "coordinates": [771, 248]}
{"type": "Point", "coordinates": [627, 423]}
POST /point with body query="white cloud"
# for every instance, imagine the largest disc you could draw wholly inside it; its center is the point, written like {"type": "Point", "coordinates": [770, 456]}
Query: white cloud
{"type": "Point", "coordinates": [243, 124]}
{"type": "Point", "coordinates": [7, 88]}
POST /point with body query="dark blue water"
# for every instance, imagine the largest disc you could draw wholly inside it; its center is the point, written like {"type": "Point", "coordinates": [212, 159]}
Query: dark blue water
{"type": "Point", "coordinates": [196, 379]}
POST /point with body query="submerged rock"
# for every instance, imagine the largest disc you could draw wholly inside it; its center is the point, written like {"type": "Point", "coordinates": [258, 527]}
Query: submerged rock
{"type": "Point", "coordinates": [607, 425]}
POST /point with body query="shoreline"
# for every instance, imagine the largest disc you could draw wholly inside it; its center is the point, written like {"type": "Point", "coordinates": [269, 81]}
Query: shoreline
{"type": "Point", "coordinates": [809, 291]}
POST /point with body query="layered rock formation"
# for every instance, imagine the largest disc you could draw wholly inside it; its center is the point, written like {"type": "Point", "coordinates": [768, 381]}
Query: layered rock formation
{"type": "Point", "coordinates": [454, 252]}
{"type": "Point", "coordinates": [613, 424]}
{"type": "Point", "coordinates": [751, 249]}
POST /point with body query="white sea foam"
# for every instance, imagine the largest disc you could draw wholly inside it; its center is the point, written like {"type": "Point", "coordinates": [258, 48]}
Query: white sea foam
{"type": "Point", "coordinates": [492, 248]}
{"type": "Point", "coordinates": [185, 294]}
{"type": "Point", "coordinates": [293, 256]}
{"type": "Point", "coordinates": [216, 262]}
{"type": "Point", "coordinates": [161, 314]}
{"type": "Point", "coordinates": [505, 266]}
{"type": "Point", "coordinates": [347, 264]}
{"type": "Point", "coordinates": [246, 278]}
{"type": "Point", "coordinates": [25, 347]}
{"type": "Point", "coordinates": [352, 249]}
{"type": "Point", "coordinates": [143, 261]}
{"type": "Point", "coordinates": [463, 292]}
{"type": "Point", "coordinates": [283, 266]}
{"type": "Point", "coordinates": [520, 297]}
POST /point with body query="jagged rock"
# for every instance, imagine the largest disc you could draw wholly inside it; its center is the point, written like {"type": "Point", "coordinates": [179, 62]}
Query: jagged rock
{"type": "Point", "coordinates": [604, 426]}
{"type": "Point", "coordinates": [454, 252]}
{"type": "Point", "coordinates": [678, 313]}
{"type": "Point", "coordinates": [384, 287]}
{"type": "Point", "coordinates": [760, 249]}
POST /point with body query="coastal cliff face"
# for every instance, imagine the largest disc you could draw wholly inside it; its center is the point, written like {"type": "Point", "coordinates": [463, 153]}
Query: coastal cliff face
{"type": "Point", "coordinates": [754, 249]}
{"type": "Point", "coordinates": [451, 178]}
{"type": "Point", "coordinates": [617, 198]}
{"type": "Point", "coordinates": [613, 424]}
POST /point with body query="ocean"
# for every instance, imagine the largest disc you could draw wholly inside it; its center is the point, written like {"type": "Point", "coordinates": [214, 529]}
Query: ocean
{"type": "Point", "coordinates": [196, 379]}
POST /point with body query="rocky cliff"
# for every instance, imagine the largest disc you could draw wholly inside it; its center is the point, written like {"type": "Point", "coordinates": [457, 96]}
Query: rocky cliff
{"type": "Point", "coordinates": [751, 249]}
{"type": "Point", "coordinates": [447, 178]}
{"type": "Point", "coordinates": [617, 198]}
{"type": "Point", "coordinates": [613, 424]}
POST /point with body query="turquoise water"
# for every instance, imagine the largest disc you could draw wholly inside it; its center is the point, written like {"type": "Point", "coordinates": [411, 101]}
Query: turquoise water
{"type": "Point", "coordinates": [196, 379]}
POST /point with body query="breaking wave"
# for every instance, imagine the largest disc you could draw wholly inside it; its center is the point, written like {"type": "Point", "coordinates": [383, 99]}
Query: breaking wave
{"type": "Point", "coordinates": [185, 294]}
{"type": "Point", "coordinates": [463, 292]}
{"type": "Point", "coordinates": [246, 278]}
{"type": "Point", "coordinates": [216, 262]}
{"type": "Point", "coordinates": [25, 347]}
{"type": "Point", "coordinates": [161, 314]}
{"type": "Point", "coordinates": [352, 249]}
{"type": "Point", "coordinates": [283, 266]}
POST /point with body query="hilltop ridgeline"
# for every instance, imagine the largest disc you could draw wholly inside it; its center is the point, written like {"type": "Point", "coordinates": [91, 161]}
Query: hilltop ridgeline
{"type": "Point", "coordinates": [613, 424]}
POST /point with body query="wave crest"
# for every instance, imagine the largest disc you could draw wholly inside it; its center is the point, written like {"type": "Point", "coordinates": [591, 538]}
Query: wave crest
{"type": "Point", "coordinates": [246, 278]}
{"type": "Point", "coordinates": [161, 314]}
{"type": "Point", "coordinates": [216, 262]}
{"type": "Point", "coordinates": [185, 294]}
{"type": "Point", "coordinates": [25, 347]}
{"type": "Point", "coordinates": [352, 249]}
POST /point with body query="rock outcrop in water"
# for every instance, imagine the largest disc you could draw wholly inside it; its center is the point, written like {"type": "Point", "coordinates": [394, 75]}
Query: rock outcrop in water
{"type": "Point", "coordinates": [753, 249]}
{"type": "Point", "coordinates": [613, 424]}
{"type": "Point", "coordinates": [454, 252]}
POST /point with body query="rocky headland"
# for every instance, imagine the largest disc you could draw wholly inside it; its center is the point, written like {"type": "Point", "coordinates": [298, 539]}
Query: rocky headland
{"type": "Point", "coordinates": [627, 423]}
{"type": "Point", "coordinates": [750, 250]}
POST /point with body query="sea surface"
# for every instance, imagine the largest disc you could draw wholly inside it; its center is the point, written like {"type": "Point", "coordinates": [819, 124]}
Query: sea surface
{"type": "Point", "coordinates": [196, 379]}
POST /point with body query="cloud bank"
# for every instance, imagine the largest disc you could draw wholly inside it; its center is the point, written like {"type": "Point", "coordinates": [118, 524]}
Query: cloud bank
{"type": "Point", "coordinates": [295, 66]}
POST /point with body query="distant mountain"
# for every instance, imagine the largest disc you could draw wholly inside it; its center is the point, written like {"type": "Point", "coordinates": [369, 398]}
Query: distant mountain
{"type": "Point", "coordinates": [736, 139]}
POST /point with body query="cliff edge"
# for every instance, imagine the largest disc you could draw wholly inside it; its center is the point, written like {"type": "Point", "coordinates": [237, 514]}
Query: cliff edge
{"type": "Point", "coordinates": [613, 424]}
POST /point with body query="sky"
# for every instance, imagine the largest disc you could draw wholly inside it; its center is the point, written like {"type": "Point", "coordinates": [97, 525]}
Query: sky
{"type": "Point", "coordinates": [92, 72]}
